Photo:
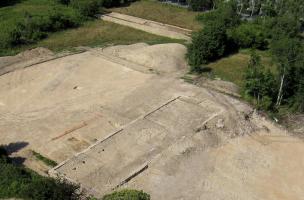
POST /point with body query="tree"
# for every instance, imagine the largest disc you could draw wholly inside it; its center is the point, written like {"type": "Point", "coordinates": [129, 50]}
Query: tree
{"type": "Point", "coordinates": [298, 103]}
{"type": "Point", "coordinates": [207, 45]}
{"type": "Point", "coordinates": [87, 8]}
{"type": "Point", "coordinates": [249, 35]}
{"type": "Point", "coordinates": [285, 51]}
{"type": "Point", "coordinates": [212, 42]}
{"type": "Point", "coordinates": [259, 83]}
{"type": "Point", "coordinates": [225, 15]}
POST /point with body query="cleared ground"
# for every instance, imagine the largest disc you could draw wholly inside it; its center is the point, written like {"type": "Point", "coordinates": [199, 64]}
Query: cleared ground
{"type": "Point", "coordinates": [157, 28]}
{"type": "Point", "coordinates": [121, 117]}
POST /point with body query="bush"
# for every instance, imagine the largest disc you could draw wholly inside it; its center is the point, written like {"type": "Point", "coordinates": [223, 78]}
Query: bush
{"type": "Point", "coordinates": [87, 8]}
{"type": "Point", "coordinates": [28, 30]}
{"type": "Point", "coordinates": [249, 35]}
{"type": "Point", "coordinates": [127, 195]}
{"type": "Point", "coordinates": [212, 42]}
{"type": "Point", "coordinates": [33, 28]}
{"type": "Point", "coordinates": [226, 15]}
{"type": "Point", "coordinates": [200, 5]}
{"type": "Point", "coordinates": [207, 45]}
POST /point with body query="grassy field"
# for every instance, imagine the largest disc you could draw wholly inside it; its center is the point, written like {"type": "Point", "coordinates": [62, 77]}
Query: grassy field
{"type": "Point", "coordinates": [165, 13]}
{"type": "Point", "coordinates": [43, 159]}
{"type": "Point", "coordinates": [89, 33]}
{"type": "Point", "coordinates": [10, 15]}
{"type": "Point", "coordinates": [232, 68]}
{"type": "Point", "coordinates": [94, 33]}
{"type": "Point", "coordinates": [100, 33]}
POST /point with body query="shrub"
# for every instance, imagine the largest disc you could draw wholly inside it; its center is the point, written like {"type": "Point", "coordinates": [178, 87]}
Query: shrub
{"type": "Point", "coordinates": [28, 30]}
{"type": "Point", "coordinates": [260, 84]}
{"type": "Point", "coordinates": [87, 8]}
{"type": "Point", "coordinates": [226, 15]}
{"type": "Point", "coordinates": [127, 195]}
{"type": "Point", "coordinates": [60, 19]}
{"type": "Point", "coordinates": [212, 42]}
{"type": "Point", "coordinates": [33, 28]}
{"type": "Point", "coordinates": [249, 35]}
{"type": "Point", "coordinates": [207, 45]}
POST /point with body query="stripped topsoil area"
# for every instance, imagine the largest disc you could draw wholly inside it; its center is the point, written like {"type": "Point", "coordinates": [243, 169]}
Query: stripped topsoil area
{"type": "Point", "coordinates": [122, 117]}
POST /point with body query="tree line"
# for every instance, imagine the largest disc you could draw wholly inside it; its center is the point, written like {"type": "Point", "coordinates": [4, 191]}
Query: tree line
{"type": "Point", "coordinates": [252, 7]}
{"type": "Point", "coordinates": [274, 26]}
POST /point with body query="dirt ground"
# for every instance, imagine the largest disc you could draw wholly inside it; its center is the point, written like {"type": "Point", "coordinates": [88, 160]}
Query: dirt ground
{"type": "Point", "coordinates": [121, 117]}
{"type": "Point", "coordinates": [148, 26]}
{"type": "Point", "coordinates": [11, 63]}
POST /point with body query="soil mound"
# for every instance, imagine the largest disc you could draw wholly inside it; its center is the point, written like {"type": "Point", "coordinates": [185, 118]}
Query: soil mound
{"type": "Point", "coordinates": [10, 63]}
{"type": "Point", "coordinates": [162, 58]}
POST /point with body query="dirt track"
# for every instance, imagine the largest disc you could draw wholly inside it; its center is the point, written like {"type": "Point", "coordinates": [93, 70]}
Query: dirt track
{"type": "Point", "coordinates": [121, 117]}
{"type": "Point", "coordinates": [148, 26]}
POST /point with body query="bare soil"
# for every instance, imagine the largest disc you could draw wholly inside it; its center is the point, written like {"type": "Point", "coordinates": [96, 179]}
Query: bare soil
{"type": "Point", "coordinates": [11, 63]}
{"type": "Point", "coordinates": [122, 117]}
{"type": "Point", "coordinates": [149, 26]}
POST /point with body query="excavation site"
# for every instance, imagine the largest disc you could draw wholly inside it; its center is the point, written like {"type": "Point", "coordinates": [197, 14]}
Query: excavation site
{"type": "Point", "coordinates": [124, 117]}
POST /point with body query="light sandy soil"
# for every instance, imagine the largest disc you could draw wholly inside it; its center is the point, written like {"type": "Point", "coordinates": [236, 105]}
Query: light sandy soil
{"type": "Point", "coordinates": [121, 117]}
{"type": "Point", "coordinates": [148, 26]}
{"type": "Point", "coordinates": [11, 63]}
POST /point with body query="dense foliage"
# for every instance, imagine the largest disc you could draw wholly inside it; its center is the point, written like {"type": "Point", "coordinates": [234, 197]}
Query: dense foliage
{"type": "Point", "coordinates": [18, 182]}
{"type": "Point", "coordinates": [31, 20]}
{"type": "Point", "coordinates": [86, 7]}
{"type": "Point", "coordinates": [35, 27]}
{"type": "Point", "coordinates": [249, 35]}
{"type": "Point", "coordinates": [260, 83]}
{"type": "Point", "coordinates": [127, 195]}
{"type": "Point", "coordinates": [212, 41]}
{"type": "Point", "coordinates": [207, 45]}
{"type": "Point", "coordinates": [272, 25]}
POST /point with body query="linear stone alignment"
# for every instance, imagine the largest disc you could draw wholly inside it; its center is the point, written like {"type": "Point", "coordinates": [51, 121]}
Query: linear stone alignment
{"type": "Point", "coordinates": [111, 162]}
{"type": "Point", "coordinates": [148, 26]}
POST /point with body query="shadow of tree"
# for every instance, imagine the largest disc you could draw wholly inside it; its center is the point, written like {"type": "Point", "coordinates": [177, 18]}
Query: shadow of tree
{"type": "Point", "coordinates": [13, 148]}
{"type": "Point", "coordinates": [8, 2]}
{"type": "Point", "coordinates": [206, 69]}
